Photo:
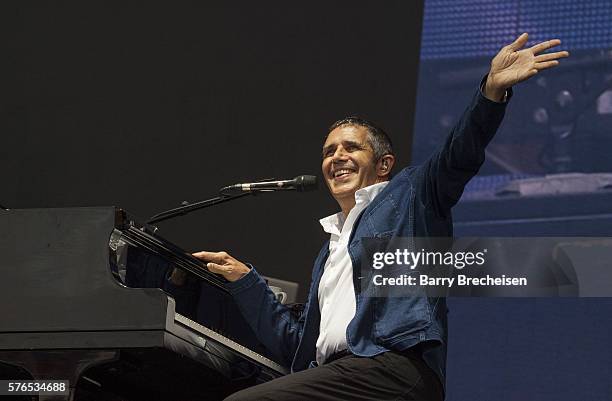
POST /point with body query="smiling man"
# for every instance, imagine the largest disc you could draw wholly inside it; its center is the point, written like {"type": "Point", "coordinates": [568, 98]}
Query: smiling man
{"type": "Point", "coordinates": [347, 346]}
{"type": "Point", "coordinates": [356, 154]}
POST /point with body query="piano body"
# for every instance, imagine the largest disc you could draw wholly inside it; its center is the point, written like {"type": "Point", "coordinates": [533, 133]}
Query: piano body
{"type": "Point", "coordinates": [66, 317]}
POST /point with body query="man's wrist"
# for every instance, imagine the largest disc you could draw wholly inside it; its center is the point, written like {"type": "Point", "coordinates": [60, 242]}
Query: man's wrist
{"type": "Point", "coordinates": [245, 281]}
{"type": "Point", "coordinates": [494, 92]}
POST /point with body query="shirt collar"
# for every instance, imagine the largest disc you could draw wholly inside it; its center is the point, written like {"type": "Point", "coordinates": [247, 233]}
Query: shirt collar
{"type": "Point", "coordinates": [363, 197]}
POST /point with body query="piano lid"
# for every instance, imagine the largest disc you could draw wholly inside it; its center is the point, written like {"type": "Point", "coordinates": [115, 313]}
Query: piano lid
{"type": "Point", "coordinates": [143, 236]}
{"type": "Point", "coordinates": [57, 277]}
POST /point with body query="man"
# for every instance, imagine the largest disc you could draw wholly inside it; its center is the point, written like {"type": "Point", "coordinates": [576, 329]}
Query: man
{"type": "Point", "coordinates": [346, 346]}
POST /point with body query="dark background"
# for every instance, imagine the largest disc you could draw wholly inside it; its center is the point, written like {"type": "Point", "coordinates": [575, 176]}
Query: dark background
{"type": "Point", "coordinates": [146, 104]}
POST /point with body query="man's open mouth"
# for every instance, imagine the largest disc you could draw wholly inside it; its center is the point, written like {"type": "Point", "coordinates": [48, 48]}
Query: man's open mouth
{"type": "Point", "coordinates": [342, 173]}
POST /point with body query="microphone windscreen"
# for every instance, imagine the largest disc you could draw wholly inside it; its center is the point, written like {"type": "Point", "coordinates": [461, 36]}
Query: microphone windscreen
{"type": "Point", "coordinates": [305, 183]}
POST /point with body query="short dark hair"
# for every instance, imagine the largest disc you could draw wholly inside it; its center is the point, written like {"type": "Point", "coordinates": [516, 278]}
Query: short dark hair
{"type": "Point", "coordinates": [377, 138]}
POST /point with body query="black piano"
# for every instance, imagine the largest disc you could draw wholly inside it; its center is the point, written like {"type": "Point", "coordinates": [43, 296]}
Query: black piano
{"type": "Point", "coordinates": [66, 314]}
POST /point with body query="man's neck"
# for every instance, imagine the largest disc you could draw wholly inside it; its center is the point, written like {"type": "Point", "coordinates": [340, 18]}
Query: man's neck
{"type": "Point", "coordinates": [347, 206]}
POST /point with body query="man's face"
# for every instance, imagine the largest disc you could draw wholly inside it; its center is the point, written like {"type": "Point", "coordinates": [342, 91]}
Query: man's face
{"type": "Point", "coordinates": [348, 162]}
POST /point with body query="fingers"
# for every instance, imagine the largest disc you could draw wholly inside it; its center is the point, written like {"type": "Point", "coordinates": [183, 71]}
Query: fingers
{"type": "Point", "coordinates": [519, 42]}
{"type": "Point", "coordinates": [548, 60]}
{"type": "Point", "coordinates": [229, 268]}
{"type": "Point", "coordinates": [215, 261]}
{"type": "Point", "coordinates": [546, 64]}
{"type": "Point", "coordinates": [551, 56]}
{"type": "Point", "coordinates": [215, 268]}
{"type": "Point", "coordinates": [540, 47]}
{"type": "Point", "coordinates": [216, 257]}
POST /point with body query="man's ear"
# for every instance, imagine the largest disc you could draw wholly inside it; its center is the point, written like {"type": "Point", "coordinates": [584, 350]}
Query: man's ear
{"type": "Point", "coordinates": [384, 166]}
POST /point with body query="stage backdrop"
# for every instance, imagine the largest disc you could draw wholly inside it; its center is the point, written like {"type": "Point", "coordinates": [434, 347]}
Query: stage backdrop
{"type": "Point", "coordinates": [146, 104]}
{"type": "Point", "coordinates": [525, 349]}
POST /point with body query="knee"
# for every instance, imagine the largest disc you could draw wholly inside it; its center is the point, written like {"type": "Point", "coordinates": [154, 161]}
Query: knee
{"type": "Point", "coordinates": [235, 397]}
{"type": "Point", "coordinates": [242, 395]}
{"type": "Point", "coordinates": [268, 391]}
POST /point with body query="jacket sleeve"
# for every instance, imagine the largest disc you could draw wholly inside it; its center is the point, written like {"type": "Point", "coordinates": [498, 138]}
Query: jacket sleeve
{"type": "Point", "coordinates": [447, 171]}
{"type": "Point", "coordinates": [275, 325]}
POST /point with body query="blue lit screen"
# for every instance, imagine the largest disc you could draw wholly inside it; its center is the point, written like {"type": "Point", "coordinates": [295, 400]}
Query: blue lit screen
{"type": "Point", "coordinates": [472, 28]}
{"type": "Point", "coordinates": [459, 39]}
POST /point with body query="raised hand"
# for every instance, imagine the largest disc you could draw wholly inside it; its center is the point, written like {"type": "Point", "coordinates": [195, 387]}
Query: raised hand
{"type": "Point", "coordinates": [513, 64]}
{"type": "Point", "coordinates": [224, 264]}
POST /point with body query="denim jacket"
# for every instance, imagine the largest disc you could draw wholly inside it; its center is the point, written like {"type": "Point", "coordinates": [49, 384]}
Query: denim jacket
{"type": "Point", "coordinates": [415, 203]}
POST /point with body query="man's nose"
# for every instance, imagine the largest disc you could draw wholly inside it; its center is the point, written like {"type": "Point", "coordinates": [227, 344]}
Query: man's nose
{"type": "Point", "coordinates": [340, 154]}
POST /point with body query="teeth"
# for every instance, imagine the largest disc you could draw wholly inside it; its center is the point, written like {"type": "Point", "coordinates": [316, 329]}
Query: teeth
{"type": "Point", "coordinates": [340, 172]}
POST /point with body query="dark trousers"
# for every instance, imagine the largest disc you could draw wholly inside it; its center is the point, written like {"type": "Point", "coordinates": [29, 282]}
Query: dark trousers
{"type": "Point", "coordinates": [388, 376]}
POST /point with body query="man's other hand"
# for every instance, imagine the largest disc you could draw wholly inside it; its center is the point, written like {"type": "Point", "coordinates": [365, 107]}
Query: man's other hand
{"type": "Point", "coordinates": [513, 64]}
{"type": "Point", "coordinates": [178, 277]}
{"type": "Point", "coordinates": [224, 264]}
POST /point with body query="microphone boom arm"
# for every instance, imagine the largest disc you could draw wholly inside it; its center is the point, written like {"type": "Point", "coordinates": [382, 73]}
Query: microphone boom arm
{"type": "Point", "coordinates": [183, 210]}
{"type": "Point", "coordinates": [299, 183]}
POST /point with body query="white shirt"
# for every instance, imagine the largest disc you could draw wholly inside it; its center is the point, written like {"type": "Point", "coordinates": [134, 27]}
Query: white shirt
{"type": "Point", "coordinates": [336, 290]}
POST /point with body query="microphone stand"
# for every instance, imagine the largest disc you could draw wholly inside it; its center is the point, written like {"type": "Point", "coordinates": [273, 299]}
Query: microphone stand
{"type": "Point", "coordinates": [183, 210]}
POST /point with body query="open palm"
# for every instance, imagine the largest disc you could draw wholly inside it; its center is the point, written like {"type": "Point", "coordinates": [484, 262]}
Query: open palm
{"type": "Point", "coordinates": [513, 64]}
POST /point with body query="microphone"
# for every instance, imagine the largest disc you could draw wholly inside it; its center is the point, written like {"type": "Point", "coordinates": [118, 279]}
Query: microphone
{"type": "Point", "coordinates": [300, 183]}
